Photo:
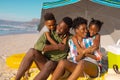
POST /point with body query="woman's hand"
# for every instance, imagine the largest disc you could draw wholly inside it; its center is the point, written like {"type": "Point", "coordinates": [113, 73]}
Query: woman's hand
{"type": "Point", "coordinates": [91, 56]}
{"type": "Point", "coordinates": [79, 56]}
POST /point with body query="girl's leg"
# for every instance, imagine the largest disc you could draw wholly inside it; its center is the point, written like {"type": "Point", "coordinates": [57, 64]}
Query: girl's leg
{"type": "Point", "coordinates": [62, 65]}
{"type": "Point", "coordinates": [28, 60]}
{"type": "Point", "coordinates": [84, 67]}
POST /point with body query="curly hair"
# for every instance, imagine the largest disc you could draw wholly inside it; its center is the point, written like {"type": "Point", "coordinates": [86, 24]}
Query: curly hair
{"type": "Point", "coordinates": [98, 23]}
{"type": "Point", "coordinates": [68, 21]}
{"type": "Point", "coordinates": [49, 16]}
{"type": "Point", "coordinates": [78, 21]}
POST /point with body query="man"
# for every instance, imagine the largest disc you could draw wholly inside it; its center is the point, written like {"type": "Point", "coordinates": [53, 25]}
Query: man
{"type": "Point", "coordinates": [46, 55]}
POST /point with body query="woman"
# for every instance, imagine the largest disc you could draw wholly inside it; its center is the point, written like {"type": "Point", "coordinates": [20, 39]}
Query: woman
{"type": "Point", "coordinates": [81, 61]}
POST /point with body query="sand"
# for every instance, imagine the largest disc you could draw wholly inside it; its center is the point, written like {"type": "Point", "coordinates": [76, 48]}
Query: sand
{"type": "Point", "coordinates": [19, 43]}
{"type": "Point", "coordinates": [14, 44]}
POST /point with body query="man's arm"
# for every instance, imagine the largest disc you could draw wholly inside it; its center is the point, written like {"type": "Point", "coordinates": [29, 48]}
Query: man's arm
{"type": "Point", "coordinates": [54, 47]}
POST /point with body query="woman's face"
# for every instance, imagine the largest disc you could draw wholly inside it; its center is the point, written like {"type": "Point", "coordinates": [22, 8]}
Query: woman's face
{"type": "Point", "coordinates": [93, 30]}
{"type": "Point", "coordinates": [81, 31]}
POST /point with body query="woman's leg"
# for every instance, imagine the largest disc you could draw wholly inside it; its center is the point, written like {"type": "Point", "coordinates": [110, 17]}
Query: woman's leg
{"type": "Point", "coordinates": [45, 72]}
{"type": "Point", "coordinates": [28, 60]}
{"type": "Point", "coordinates": [84, 67]}
{"type": "Point", "coordinates": [61, 67]}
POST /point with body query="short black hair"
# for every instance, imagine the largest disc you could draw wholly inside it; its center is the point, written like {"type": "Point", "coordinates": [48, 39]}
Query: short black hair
{"type": "Point", "coordinates": [78, 21]}
{"type": "Point", "coordinates": [49, 16]}
{"type": "Point", "coordinates": [98, 23]}
{"type": "Point", "coordinates": [68, 21]}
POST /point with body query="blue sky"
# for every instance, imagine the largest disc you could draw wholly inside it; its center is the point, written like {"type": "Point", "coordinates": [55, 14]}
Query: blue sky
{"type": "Point", "coordinates": [21, 10]}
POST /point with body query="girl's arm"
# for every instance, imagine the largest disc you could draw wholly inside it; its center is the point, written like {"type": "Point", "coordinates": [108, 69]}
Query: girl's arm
{"type": "Point", "coordinates": [49, 38]}
{"type": "Point", "coordinates": [95, 46]}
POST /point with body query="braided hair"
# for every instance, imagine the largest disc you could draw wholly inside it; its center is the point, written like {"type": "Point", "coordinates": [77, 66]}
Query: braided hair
{"type": "Point", "coordinates": [98, 23]}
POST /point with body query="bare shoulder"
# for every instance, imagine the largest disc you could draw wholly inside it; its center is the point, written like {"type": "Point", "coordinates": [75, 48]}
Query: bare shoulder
{"type": "Point", "coordinates": [97, 36]}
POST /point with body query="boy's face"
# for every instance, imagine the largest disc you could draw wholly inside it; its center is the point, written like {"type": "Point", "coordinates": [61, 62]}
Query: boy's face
{"type": "Point", "coordinates": [93, 30]}
{"type": "Point", "coordinates": [50, 24]}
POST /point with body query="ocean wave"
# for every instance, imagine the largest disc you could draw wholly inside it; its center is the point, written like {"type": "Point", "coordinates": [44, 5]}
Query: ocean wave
{"type": "Point", "coordinates": [16, 29]}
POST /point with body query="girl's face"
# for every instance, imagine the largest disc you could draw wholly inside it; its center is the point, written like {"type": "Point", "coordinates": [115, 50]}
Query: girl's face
{"type": "Point", "coordinates": [82, 30]}
{"type": "Point", "coordinates": [93, 30]}
{"type": "Point", "coordinates": [50, 24]}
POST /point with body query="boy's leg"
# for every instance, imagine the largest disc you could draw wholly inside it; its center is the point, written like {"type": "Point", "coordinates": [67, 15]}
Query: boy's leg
{"type": "Point", "coordinates": [28, 60]}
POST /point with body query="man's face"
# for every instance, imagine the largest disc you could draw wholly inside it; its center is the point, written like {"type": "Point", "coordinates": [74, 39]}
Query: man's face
{"type": "Point", "coordinates": [62, 28]}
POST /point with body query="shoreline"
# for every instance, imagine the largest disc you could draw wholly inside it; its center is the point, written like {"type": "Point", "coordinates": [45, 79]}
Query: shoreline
{"type": "Point", "coordinates": [31, 32]}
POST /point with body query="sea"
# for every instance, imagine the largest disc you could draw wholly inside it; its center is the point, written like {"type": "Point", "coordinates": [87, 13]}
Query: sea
{"type": "Point", "coordinates": [7, 30]}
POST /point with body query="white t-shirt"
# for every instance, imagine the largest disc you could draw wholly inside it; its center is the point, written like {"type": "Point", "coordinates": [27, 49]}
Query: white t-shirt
{"type": "Point", "coordinates": [44, 29]}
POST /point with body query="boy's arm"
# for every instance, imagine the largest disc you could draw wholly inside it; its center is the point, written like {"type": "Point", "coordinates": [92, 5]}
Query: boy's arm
{"type": "Point", "coordinates": [49, 38]}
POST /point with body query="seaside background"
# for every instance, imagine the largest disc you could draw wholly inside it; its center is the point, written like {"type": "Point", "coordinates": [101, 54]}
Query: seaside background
{"type": "Point", "coordinates": [19, 20]}
{"type": "Point", "coordinates": [20, 16]}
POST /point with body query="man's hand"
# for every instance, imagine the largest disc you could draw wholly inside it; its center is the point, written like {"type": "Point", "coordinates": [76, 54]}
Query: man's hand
{"type": "Point", "coordinates": [61, 46]}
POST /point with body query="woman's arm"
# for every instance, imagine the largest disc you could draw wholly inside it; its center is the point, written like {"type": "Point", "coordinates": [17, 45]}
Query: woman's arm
{"type": "Point", "coordinates": [79, 48]}
{"type": "Point", "coordinates": [79, 57]}
{"type": "Point", "coordinates": [49, 38]}
{"type": "Point", "coordinates": [91, 56]}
